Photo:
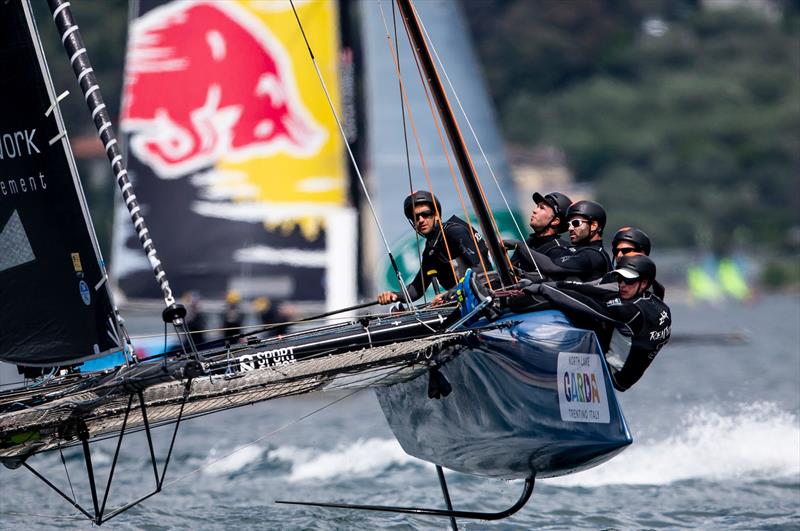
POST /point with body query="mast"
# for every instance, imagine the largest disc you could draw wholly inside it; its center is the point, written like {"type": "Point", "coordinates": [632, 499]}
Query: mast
{"type": "Point", "coordinates": [456, 141]}
{"type": "Point", "coordinates": [79, 59]}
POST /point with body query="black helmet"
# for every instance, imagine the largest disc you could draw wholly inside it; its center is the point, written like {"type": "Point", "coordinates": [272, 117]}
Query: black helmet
{"type": "Point", "coordinates": [590, 210]}
{"type": "Point", "coordinates": [420, 197]}
{"type": "Point", "coordinates": [559, 203]}
{"type": "Point", "coordinates": [637, 266]}
{"type": "Point", "coordinates": [634, 236]}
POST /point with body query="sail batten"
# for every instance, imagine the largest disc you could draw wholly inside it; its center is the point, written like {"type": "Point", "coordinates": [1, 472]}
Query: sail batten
{"type": "Point", "coordinates": [54, 305]}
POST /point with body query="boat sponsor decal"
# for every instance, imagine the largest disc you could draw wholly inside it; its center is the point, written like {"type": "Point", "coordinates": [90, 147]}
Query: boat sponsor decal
{"type": "Point", "coordinates": [222, 109]}
{"type": "Point", "coordinates": [267, 358]}
{"type": "Point", "coordinates": [17, 144]}
{"type": "Point", "coordinates": [85, 293]}
{"type": "Point", "coordinates": [237, 95]}
{"type": "Point", "coordinates": [658, 335]}
{"type": "Point", "coordinates": [22, 185]}
{"type": "Point", "coordinates": [581, 388]}
{"type": "Point", "coordinates": [76, 262]}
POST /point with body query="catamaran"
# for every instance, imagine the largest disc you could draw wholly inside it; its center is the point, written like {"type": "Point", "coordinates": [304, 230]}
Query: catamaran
{"type": "Point", "coordinates": [488, 387]}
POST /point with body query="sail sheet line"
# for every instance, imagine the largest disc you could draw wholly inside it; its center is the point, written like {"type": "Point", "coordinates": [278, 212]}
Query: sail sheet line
{"type": "Point", "coordinates": [467, 154]}
{"type": "Point", "coordinates": [477, 142]}
{"type": "Point", "coordinates": [446, 152]}
{"type": "Point", "coordinates": [417, 140]}
{"type": "Point", "coordinates": [405, 144]}
{"type": "Point", "coordinates": [352, 157]}
{"type": "Point", "coordinates": [471, 181]}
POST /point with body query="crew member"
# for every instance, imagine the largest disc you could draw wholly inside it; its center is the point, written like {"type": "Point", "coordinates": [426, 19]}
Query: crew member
{"type": "Point", "coordinates": [642, 322]}
{"type": "Point", "coordinates": [277, 317]}
{"type": "Point", "coordinates": [423, 211]}
{"type": "Point", "coordinates": [587, 260]}
{"type": "Point", "coordinates": [630, 241]}
{"type": "Point", "coordinates": [233, 317]}
{"type": "Point", "coordinates": [195, 320]}
{"type": "Point", "coordinates": [548, 220]}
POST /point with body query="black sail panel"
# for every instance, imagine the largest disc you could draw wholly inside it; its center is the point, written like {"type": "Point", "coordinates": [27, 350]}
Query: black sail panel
{"type": "Point", "coordinates": [55, 307]}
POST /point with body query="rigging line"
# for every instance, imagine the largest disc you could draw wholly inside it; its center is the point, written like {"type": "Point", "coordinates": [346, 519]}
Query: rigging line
{"type": "Point", "coordinates": [501, 252]}
{"type": "Point", "coordinates": [332, 319]}
{"type": "Point", "coordinates": [405, 141]}
{"type": "Point", "coordinates": [478, 142]}
{"type": "Point", "coordinates": [82, 68]}
{"type": "Point", "coordinates": [64, 462]}
{"type": "Point", "coordinates": [419, 145]}
{"type": "Point", "coordinates": [273, 432]}
{"type": "Point", "coordinates": [447, 157]}
{"type": "Point", "coordinates": [352, 157]}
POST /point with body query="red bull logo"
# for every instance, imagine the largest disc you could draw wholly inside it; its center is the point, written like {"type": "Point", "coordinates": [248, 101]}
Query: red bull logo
{"type": "Point", "coordinates": [206, 80]}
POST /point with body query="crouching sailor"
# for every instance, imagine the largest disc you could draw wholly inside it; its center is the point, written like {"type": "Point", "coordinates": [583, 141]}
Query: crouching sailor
{"type": "Point", "coordinates": [454, 239]}
{"type": "Point", "coordinates": [642, 322]}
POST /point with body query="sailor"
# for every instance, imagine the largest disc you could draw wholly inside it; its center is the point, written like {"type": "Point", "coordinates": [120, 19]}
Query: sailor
{"type": "Point", "coordinates": [630, 241]}
{"type": "Point", "coordinates": [640, 319]}
{"type": "Point", "coordinates": [233, 317]}
{"type": "Point", "coordinates": [423, 211]}
{"type": "Point", "coordinates": [548, 220]}
{"type": "Point", "coordinates": [273, 315]}
{"type": "Point", "coordinates": [195, 319]}
{"type": "Point", "coordinates": [587, 260]}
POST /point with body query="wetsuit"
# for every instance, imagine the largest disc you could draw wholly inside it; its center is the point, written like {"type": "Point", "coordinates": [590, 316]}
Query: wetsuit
{"type": "Point", "coordinates": [550, 245]}
{"type": "Point", "coordinates": [584, 262]}
{"type": "Point", "coordinates": [435, 257]}
{"type": "Point", "coordinates": [642, 325]}
{"type": "Point", "coordinates": [232, 320]}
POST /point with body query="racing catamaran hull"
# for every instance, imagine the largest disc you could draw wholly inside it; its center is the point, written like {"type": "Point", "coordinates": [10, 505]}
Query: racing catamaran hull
{"type": "Point", "coordinates": [532, 398]}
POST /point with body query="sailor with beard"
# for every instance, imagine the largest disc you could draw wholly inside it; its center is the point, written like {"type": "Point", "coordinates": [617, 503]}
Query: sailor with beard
{"type": "Point", "coordinates": [548, 220]}
{"type": "Point", "coordinates": [587, 260]}
{"type": "Point", "coordinates": [452, 240]}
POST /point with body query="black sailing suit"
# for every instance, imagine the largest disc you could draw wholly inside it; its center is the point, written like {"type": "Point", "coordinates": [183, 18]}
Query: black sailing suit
{"type": "Point", "coordinates": [585, 262]}
{"type": "Point", "coordinates": [550, 245]}
{"type": "Point", "coordinates": [642, 325]}
{"type": "Point", "coordinates": [435, 258]}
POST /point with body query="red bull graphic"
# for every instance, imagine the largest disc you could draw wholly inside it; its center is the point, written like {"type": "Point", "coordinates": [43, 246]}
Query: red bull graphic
{"type": "Point", "coordinates": [206, 80]}
{"type": "Point", "coordinates": [235, 154]}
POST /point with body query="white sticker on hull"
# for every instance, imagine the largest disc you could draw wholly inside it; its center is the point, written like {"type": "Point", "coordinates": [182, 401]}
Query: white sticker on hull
{"type": "Point", "coordinates": [581, 388]}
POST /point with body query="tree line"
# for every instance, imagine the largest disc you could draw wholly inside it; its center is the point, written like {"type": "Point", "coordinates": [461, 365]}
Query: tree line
{"type": "Point", "coordinates": [685, 118]}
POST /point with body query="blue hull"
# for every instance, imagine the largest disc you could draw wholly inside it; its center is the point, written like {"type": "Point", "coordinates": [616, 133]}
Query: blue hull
{"type": "Point", "coordinates": [534, 397]}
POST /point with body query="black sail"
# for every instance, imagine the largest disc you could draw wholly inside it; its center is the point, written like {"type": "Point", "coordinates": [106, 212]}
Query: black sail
{"type": "Point", "coordinates": [55, 307]}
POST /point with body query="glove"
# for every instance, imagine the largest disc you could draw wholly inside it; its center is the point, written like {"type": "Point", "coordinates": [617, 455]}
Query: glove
{"type": "Point", "coordinates": [533, 289]}
{"type": "Point", "coordinates": [511, 244]}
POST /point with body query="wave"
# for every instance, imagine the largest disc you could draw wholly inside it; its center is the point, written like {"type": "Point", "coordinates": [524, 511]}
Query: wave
{"type": "Point", "coordinates": [362, 457]}
{"type": "Point", "coordinates": [755, 442]}
{"type": "Point", "coordinates": [359, 458]}
{"type": "Point", "coordinates": [233, 462]}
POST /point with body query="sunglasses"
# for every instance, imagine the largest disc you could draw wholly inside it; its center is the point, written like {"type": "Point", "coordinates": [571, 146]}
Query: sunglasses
{"type": "Point", "coordinates": [425, 214]}
{"type": "Point", "coordinates": [626, 250]}
{"type": "Point", "coordinates": [575, 223]}
{"type": "Point", "coordinates": [627, 281]}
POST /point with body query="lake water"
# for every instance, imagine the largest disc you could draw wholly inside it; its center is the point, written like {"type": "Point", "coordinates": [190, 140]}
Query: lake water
{"type": "Point", "coordinates": [716, 446]}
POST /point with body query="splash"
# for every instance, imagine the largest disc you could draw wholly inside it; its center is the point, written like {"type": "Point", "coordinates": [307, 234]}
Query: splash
{"type": "Point", "coordinates": [361, 457]}
{"type": "Point", "coordinates": [756, 441]}
{"type": "Point", "coordinates": [233, 462]}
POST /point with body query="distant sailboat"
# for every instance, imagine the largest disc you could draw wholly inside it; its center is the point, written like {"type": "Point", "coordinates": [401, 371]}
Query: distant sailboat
{"type": "Point", "coordinates": [714, 280]}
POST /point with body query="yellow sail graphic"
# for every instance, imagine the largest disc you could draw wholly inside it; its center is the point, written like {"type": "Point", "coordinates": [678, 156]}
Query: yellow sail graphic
{"type": "Point", "coordinates": [316, 180]}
